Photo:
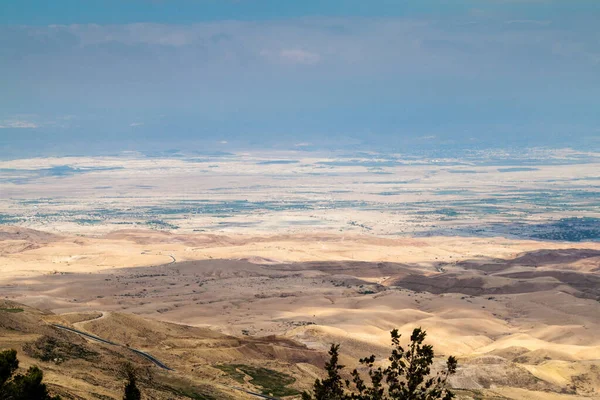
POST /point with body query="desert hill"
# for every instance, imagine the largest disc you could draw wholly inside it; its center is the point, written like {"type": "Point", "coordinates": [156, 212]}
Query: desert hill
{"type": "Point", "coordinates": [522, 316]}
{"type": "Point", "coordinates": [201, 360]}
{"type": "Point", "coordinates": [208, 364]}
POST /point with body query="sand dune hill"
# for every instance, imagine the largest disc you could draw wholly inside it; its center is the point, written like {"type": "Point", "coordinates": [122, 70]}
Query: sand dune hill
{"type": "Point", "coordinates": [590, 352]}
{"type": "Point", "coordinates": [14, 240]}
{"type": "Point", "coordinates": [564, 373]}
{"type": "Point", "coordinates": [21, 318]}
{"type": "Point", "coordinates": [73, 367]}
{"type": "Point", "coordinates": [140, 332]}
{"type": "Point", "coordinates": [522, 316]}
{"type": "Point", "coordinates": [145, 237]}
{"type": "Point", "coordinates": [144, 248]}
{"type": "Point", "coordinates": [76, 318]}
{"type": "Point", "coordinates": [25, 234]}
{"type": "Point", "coordinates": [559, 257]}
{"type": "Point", "coordinates": [197, 353]}
{"type": "Point", "coordinates": [83, 368]}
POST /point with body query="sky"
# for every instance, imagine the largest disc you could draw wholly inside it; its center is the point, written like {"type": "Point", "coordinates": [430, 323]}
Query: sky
{"type": "Point", "coordinates": [110, 75]}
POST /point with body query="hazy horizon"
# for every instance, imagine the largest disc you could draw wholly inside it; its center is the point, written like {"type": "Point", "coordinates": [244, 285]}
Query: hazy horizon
{"type": "Point", "coordinates": [151, 75]}
{"type": "Point", "coordinates": [216, 191]}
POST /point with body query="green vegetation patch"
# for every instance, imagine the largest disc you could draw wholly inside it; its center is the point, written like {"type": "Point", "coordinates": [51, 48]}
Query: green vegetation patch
{"type": "Point", "coordinates": [192, 394]}
{"type": "Point", "coordinates": [87, 221]}
{"type": "Point", "coordinates": [232, 371]}
{"type": "Point", "coordinates": [12, 310]}
{"type": "Point", "coordinates": [447, 212]}
{"type": "Point", "coordinates": [58, 350]}
{"type": "Point", "coordinates": [269, 381]}
{"type": "Point", "coordinates": [6, 219]}
{"type": "Point", "coordinates": [181, 387]}
{"type": "Point", "coordinates": [569, 229]}
{"type": "Point", "coordinates": [160, 224]}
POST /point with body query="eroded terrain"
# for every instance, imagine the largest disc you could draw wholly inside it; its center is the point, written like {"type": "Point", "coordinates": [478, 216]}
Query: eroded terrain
{"type": "Point", "coordinates": [238, 270]}
{"type": "Point", "coordinates": [522, 316]}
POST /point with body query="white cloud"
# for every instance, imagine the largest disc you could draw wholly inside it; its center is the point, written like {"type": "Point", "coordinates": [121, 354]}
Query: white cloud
{"type": "Point", "coordinates": [376, 45]}
{"type": "Point", "coordinates": [18, 124]}
{"type": "Point", "coordinates": [298, 56]}
{"type": "Point", "coordinates": [134, 124]}
{"type": "Point", "coordinates": [528, 21]}
{"type": "Point", "coordinates": [291, 56]}
{"type": "Point", "coordinates": [225, 57]}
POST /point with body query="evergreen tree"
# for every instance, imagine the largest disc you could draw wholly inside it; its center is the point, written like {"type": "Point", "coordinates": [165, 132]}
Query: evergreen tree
{"type": "Point", "coordinates": [131, 390]}
{"type": "Point", "coordinates": [21, 387]}
{"type": "Point", "coordinates": [331, 388]}
{"type": "Point", "coordinates": [8, 365]}
{"type": "Point", "coordinates": [406, 377]}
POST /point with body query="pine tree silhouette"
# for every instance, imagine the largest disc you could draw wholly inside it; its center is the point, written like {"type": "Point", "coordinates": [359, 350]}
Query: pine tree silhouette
{"type": "Point", "coordinates": [406, 377]}
{"type": "Point", "coordinates": [21, 387]}
{"type": "Point", "coordinates": [131, 390]}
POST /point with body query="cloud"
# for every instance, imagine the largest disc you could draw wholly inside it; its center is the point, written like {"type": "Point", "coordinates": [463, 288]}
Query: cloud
{"type": "Point", "coordinates": [291, 56]}
{"type": "Point", "coordinates": [428, 137]}
{"type": "Point", "coordinates": [315, 74]}
{"type": "Point", "coordinates": [18, 124]}
{"type": "Point", "coordinates": [141, 51]}
{"type": "Point", "coordinates": [527, 22]}
{"type": "Point", "coordinates": [298, 56]}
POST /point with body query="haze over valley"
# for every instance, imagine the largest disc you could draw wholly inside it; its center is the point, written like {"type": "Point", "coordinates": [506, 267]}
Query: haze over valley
{"type": "Point", "coordinates": [495, 255]}
{"type": "Point", "coordinates": [201, 199]}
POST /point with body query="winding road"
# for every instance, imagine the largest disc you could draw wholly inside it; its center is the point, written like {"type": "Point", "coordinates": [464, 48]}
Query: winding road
{"type": "Point", "coordinates": [156, 362]}
{"type": "Point", "coordinates": [147, 356]}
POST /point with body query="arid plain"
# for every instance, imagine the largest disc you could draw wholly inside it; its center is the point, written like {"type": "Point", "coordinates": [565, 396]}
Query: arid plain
{"type": "Point", "coordinates": [264, 260]}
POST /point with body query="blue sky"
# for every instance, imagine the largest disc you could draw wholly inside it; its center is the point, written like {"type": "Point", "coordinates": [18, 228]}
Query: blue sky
{"type": "Point", "coordinates": [43, 12]}
{"type": "Point", "coordinates": [113, 74]}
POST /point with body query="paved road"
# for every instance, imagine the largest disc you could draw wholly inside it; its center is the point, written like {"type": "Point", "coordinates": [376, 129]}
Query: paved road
{"type": "Point", "coordinates": [155, 361]}
{"type": "Point", "coordinates": [87, 335]}
{"type": "Point", "coordinates": [99, 339]}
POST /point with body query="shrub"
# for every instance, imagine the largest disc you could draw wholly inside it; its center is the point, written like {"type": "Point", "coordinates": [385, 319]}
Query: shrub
{"type": "Point", "coordinates": [406, 377]}
{"type": "Point", "coordinates": [131, 390]}
{"type": "Point", "coordinates": [19, 386]}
